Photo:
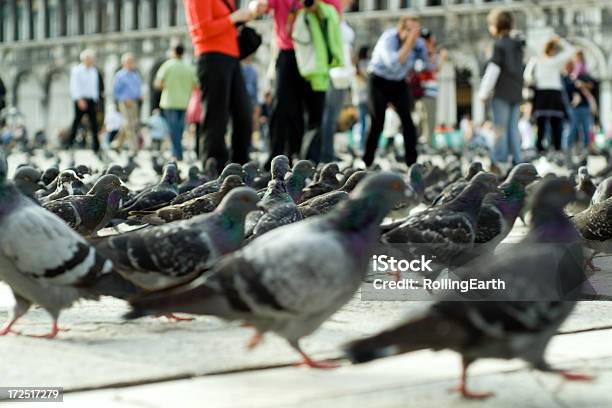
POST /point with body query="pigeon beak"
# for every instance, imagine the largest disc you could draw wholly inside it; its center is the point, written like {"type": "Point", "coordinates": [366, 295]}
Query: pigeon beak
{"type": "Point", "coordinates": [41, 186]}
{"type": "Point", "coordinates": [260, 206]}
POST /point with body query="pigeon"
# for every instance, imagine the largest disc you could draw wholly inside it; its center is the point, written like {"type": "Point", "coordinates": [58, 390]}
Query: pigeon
{"type": "Point", "coordinates": [193, 180]}
{"type": "Point", "coordinates": [210, 186]}
{"type": "Point", "coordinates": [297, 180]}
{"type": "Point", "coordinates": [274, 194]}
{"type": "Point", "coordinates": [49, 175]}
{"type": "Point", "coordinates": [417, 185]}
{"type": "Point", "coordinates": [447, 230]}
{"type": "Point", "coordinates": [46, 263]}
{"type": "Point", "coordinates": [27, 181]}
{"type": "Point", "coordinates": [595, 227]}
{"type": "Point", "coordinates": [210, 169]}
{"type": "Point", "coordinates": [155, 196]}
{"type": "Point", "coordinates": [191, 208]}
{"type": "Point", "coordinates": [251, 171]}
{"type": "Point", "coordinates": [326, 183]}
{"type": "Point", "coordinates": [499, 210]}
{"type": "Point", "coordinates": [278, 171]}
{"type": "Point", "coordinates": [89, 213]}
{"type": "Point", "coordinates": [118, 171]}
{"type": "Point", "coordinates": [324, 203]}
{"type": "Point", "coordinates": [502, 327]}
{"type": "Point", "coordinates": [270, 284]}
{"type": "Point", "coordinates": [585, 190]}
{"type": "Point", "coordinates": [453, 190]}
{"type": "Point", "coordinates": [64, 186]}
{"type": "Point", "coordinates": [159, 256]}
{"type": "Point", "coordinates": [603, 191]}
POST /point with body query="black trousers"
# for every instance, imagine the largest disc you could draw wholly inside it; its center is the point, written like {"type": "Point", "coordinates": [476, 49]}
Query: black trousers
{"type": "Point", "coordinates": [224, 94]}
{"type": "Point", "coordinates": [397, 93]}
{"type": "Point", "coordinates": [556, 131]}
{"type": "Point", "coordinates": [91, 113]}
{"type": "Point", "coordinates": [294, 97]}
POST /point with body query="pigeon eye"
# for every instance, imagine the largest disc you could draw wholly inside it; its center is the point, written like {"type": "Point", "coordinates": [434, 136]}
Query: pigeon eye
{"type": "Point", "coordinates": [396, 186]}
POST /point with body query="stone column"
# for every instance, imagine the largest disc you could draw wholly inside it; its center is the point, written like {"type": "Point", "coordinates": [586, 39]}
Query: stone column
{"type": "Point", "coordinates": [80, 17]}
{"type": "Point", "coordinates": [63, 17]}
{"type": "Point", "coordinates": [15, 20]}
{"type": "Point", "coordinates": [153, 14]}
{"type": "Point", "coordinates": [46, 22]}
{"type": "Point", "coordinates": [117, 20]}
{"type": "Point", "coordinates": [172, 12]}
{"type": "Point", "coordinates": [135, 14]}
{"type": "Point", "coordinates": [30, 11]}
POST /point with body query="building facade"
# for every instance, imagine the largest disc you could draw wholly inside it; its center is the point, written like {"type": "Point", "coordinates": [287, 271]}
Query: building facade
{"type": "Point", "coordinates": [40, 40]}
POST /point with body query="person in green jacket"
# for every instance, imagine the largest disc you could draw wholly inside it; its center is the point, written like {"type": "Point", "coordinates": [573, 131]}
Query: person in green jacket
{"type": "Point", "coordinates": [177, 80]}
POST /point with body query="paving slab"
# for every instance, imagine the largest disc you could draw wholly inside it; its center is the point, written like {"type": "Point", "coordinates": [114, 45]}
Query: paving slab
{"type": "Point", "coordinates": [420, 379]}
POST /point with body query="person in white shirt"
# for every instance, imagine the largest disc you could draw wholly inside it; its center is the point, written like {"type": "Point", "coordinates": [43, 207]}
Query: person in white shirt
{"type": "Point", "coordinates": [544, 74]}
{"type": "Point", "coordinates": [85, 92]}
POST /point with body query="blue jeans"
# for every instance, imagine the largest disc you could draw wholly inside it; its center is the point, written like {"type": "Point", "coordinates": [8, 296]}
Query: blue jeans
{"type": "Point", "coordinates": [363, 123]}
{"type": "Point", "coordinates": [176, 123]}
{"type": "Point", "coordinates": [331, 111]}
{"type": "Point", "coordinates": [508, 139]}
{"type": "Point", "coordinates": [581, 121]}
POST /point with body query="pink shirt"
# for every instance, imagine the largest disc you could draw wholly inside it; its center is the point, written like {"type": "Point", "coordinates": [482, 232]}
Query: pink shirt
{"type": "Point", "coordinates": [284, 15]}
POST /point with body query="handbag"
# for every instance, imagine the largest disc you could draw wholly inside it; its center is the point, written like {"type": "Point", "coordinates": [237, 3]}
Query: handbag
{"type": "Point", "coordinates": [249, 40]}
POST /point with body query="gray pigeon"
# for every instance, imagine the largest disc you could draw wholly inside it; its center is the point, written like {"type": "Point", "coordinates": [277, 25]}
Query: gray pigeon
{"type": "Point", "coordinates": [271, 283]}
{"type": "Point", "coordinates": [499, 210]}
{"type": "Point", "coordinates": [518, 322]}
{"type": "Point", "coordinates": [327, 182]}
{"type": "Point", "coordinates": [193, 180]}
{"type": "Point", "coordinates": [64, 186]}
{"type": "Point", "coordinates": [324, 203]}
{"type": "Point", "coordinates": [210, 186]}
{"type": "Point", "coordinates": [156, 196]}
{"type": "Point", "coordinates": [191, 208]}
{"type": "Point", "coordinates": [603, 191]}
{"type": "Point", "coordinates": [454, 189]}
{"type": "Point", "coordinates": [448, 230]}
{"type": "Point", "coordinates": [251, 172]}
{"type": "Point", "coordinates": [585, 190]}
{"type": "Point", "coordinates": [278, 171]}
{"type": "Point", "coordinates": [89, 213]}
{"type": "Point", "coordinates": [301, 172]}
{"type": "Point", "coordinates": [49, 175]}
{"type": "Point", "coordinates": [156, 257]}
{"type": "Point", "coordinates": [595, 227]}
{"type": "Point", "coordinates": [45, 262]}
{"type": "Point", "coordinates": [27, 181]}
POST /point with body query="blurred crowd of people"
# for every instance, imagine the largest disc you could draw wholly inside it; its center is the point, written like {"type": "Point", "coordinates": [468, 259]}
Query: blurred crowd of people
{"type": "Point", "coordinates": [322, 85]}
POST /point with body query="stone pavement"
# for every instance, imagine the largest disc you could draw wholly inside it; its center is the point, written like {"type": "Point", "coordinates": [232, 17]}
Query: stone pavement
{"type": "Point", "coordinates": [104, 361]}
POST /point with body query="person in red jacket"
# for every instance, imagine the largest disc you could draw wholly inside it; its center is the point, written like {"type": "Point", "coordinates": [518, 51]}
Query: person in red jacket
{"type": "Point", "coordinates": [212, 25]}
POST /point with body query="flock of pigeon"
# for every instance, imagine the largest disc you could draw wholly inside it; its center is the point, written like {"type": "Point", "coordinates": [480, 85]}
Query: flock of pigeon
{"type": "Point", "coordinates": [283, 251]}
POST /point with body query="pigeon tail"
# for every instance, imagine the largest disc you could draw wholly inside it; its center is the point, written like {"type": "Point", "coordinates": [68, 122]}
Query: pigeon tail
{"type": "Point", "coordinates": [193, 298]}
{"type": "Point", "coordinates": [431, 331]}
{"type": "Point", "coordinates": [115, 285]}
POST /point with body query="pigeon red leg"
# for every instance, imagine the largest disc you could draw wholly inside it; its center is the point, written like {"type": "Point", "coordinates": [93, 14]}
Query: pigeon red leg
{"type": "Point", "coordinates": [19, 309]}
{"type": "Point", "coordinates": [175, 318]}
{"type": "Point", "coordinates": [255, 340]}
{"type": "Point", "coordinates": [325, 365]}
{"type": "Point", "coordinates": [51, 335]}
{"type": "Point", "coordinates": [7, 328]}
{"type": "Point", "coordinates": [591, 266]}
{"type": "Point", "coordinates": [462, 388]}
{"type": "Point", "coordinates": [569, 376]}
